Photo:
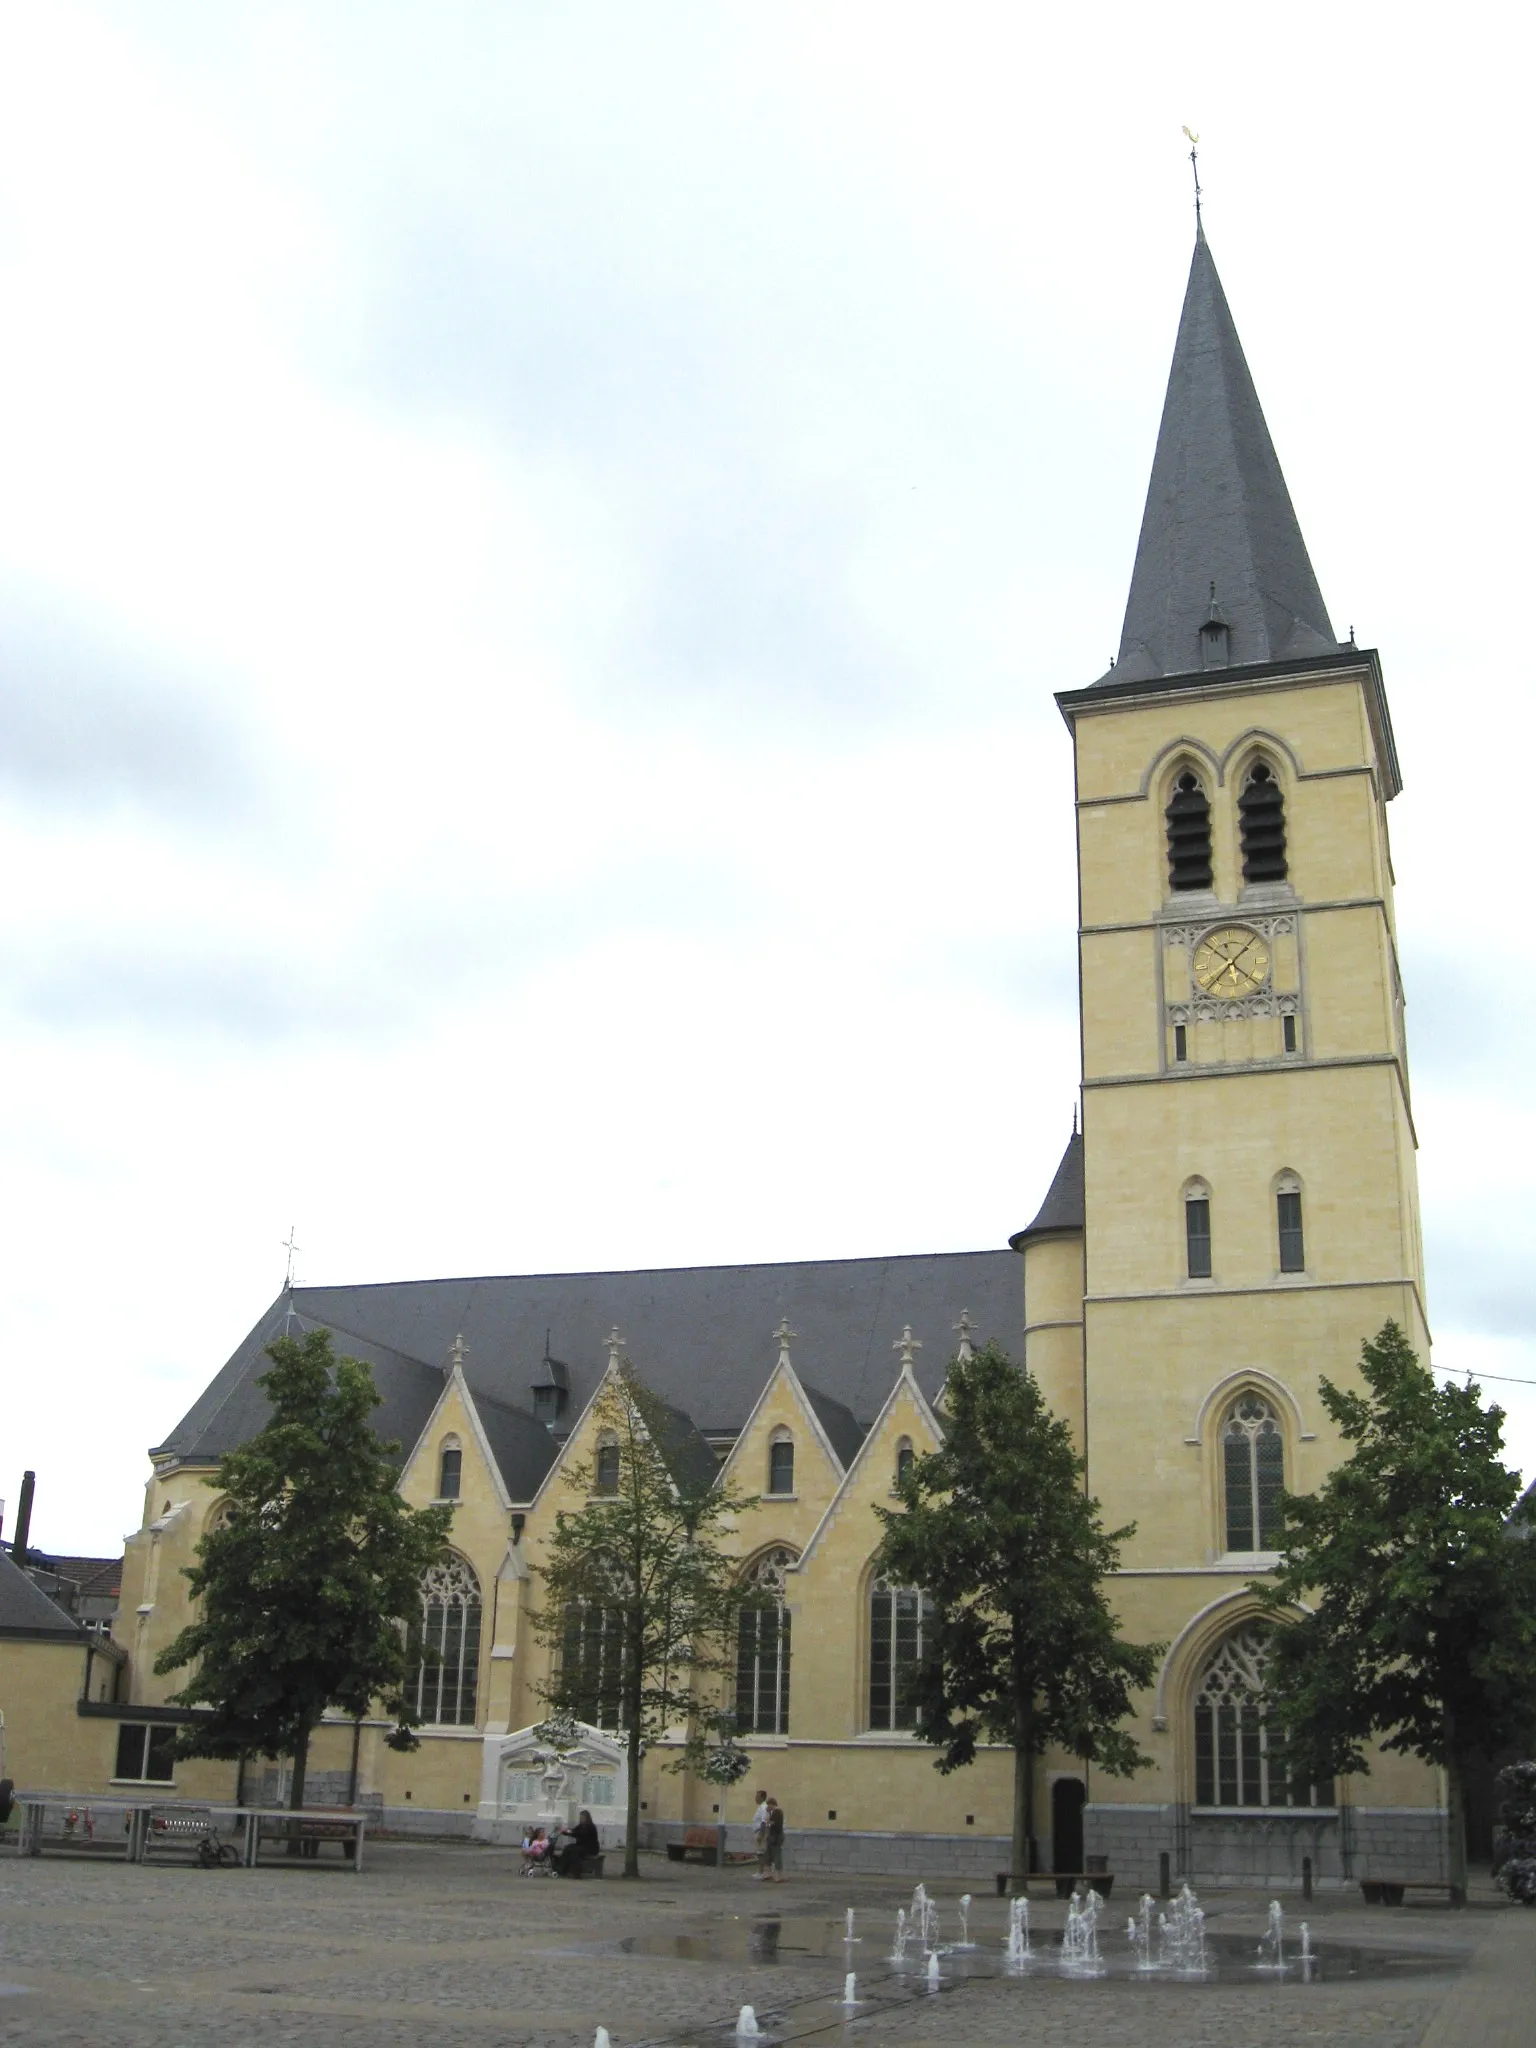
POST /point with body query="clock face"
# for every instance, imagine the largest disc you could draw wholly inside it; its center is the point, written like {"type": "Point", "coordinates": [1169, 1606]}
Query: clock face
{"type": "Point", "coordinates": [1231, 961]}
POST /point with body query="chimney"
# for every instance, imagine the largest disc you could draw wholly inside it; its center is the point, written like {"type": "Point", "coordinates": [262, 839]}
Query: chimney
{"type": "Point", "coordinates": [23, 1519]}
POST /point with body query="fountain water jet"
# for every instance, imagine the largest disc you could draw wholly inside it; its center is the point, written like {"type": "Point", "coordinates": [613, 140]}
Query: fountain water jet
{"type": "Point", "coordinates": [1138, 1933]}
{"type": "Point", "coordinates": [1181, 1937]}
{"type": "Point", "coordinates": [965, 1940]}
{"type": "Point", "coordinates": [850, 1989]}
{"type": "Point", "coordinates": [747, 2028]}
{"type": "Point", "coordinates": [899, 1951]}
{"type": "Point", "coordinates": [1272, 1947]}
{"type": "Point", "coordinates": [1018, 1932]}
{"type": "Point", "coordinates": [1080, 1944]}
{"type": "Point", "coordinates": [933, 1969]}
{"type": "Point", "coordinates": [848, 1933]}
{"type": "Point", "coordinates": [600, 2039]}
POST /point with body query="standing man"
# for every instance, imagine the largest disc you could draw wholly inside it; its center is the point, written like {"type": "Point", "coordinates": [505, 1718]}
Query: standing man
{"type": "Point", "coordinates": [773, 1862]}
{"type": "Point", "coordinates": [760, 1836]}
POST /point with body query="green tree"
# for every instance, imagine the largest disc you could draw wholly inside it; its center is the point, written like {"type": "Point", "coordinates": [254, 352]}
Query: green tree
{"type": "Point", "coordinates": [1024, 1648]}
{"type": "Point", "coordinates": [309, 1578]}
{"type": "Point", "coordinates": [640, 1600]}
{"type": "Point", "coordinates": [1418, 1621]}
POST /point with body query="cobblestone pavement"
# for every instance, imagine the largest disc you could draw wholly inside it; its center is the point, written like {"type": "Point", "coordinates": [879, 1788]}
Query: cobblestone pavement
{"type": "Point", "coordinates": [445, 1945]}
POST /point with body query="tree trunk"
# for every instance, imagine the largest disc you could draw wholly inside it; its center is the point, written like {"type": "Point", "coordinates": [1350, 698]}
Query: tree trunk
{"type": "Point", "coordinates": [632, 1804]}
{"type": "Point", "coordinates": [1022, 1855]}
{"type": "Point", "coordinates": [1455, 1817]}
{"type": "Point", "coordinates": [296, 1786]}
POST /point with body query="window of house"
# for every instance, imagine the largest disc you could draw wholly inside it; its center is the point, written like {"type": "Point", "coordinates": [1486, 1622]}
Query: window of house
{"type": "Point", "coordinates": [904, 1459]}
{"type": "Point", "coordinates": [450, 1467]}
{"type": "Point", "coordinates": [1253, 1473]}
{"type": "Point", "coordinates": [1239, 1758]}
{"type": "Point", "coordinates": [592, 1663]}
{"type": "Point", "coordinates": [762, 1649]}
{"type": "Point", "coordinates": [1293, 1251]}
{"type": "Point", "coordinates": [1197, 1234]}
{"type": "Point", "coordinates": [446, 1642]}
{"type": "Point", "coordinates": [146, 1754]}
{"type": "Point", "coordinates": [1188, 819]}
{"type": "Point", "coordinates": [899, 1618]}
{"type": "Point", "coordinates": [781, 1465]}
{"type": "Point", "coordinates": [1261, 825]}
{"type": "Point", "coordinates": [605, 1477]}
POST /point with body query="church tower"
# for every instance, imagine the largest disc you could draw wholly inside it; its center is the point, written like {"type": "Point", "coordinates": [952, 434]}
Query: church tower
{"type": "Point", "coordinates": [1241, 1207]}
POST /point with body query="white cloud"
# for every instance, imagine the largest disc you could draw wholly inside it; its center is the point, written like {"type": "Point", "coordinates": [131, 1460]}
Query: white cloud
{"type": "Point", "coordinates": [537, 548]}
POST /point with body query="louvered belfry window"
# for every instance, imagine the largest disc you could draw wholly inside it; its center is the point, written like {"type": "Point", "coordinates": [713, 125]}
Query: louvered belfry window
{"type": "Point", "coordinates": [1189, 834]}
{"type": "Point", "coordinates": [1261, 821]}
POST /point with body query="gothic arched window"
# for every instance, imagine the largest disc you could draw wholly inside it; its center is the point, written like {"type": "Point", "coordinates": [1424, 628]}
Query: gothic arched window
{"type": "Point", "coordinates": [447, 1645]}
{"type": "Point", "coordinates": [605, 1470]}
{"type": "Point", "coordinates": [1189, 833]}
{"type": "Point", "coordinates": [899, 1620]}
{"type": "Point", "coordinates": [1239, 1759]}
{"type": "Point", "coordinates": [1253, 1473]}
{"type": "Point", "coordinates": [592, 1663]}
{"type": "Point", "coordinates": [762, 1649]}
{"type": "Point", "coordinates": [450, 1469]}
{"type": "Point", "coordinates": [781, 1463]}
{"type": "Point", "coordinates": [1293, 1248]}
{"type": "Point", "coordinates": [905, 1457]}
{"type": "Point", "coordinates": [1261, 824]}
{"type": "Point", "coordinates": [1197, 1230]}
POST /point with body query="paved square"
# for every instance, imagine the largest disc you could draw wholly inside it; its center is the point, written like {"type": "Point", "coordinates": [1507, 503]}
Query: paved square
{"type": "Point", "coordinates": [443, 1945]}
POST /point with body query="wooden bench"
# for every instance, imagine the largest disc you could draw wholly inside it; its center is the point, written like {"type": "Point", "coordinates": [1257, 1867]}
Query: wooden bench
{"type": "Point", "coordinates": [1065, 1881]}
{"type": "Point", "coordinates": [1388, 1891]}
{"type": "Point", "coordinates": [701, 1842]}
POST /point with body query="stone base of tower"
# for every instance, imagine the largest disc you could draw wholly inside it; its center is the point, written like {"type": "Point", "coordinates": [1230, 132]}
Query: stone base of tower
{"type": "Point", "coordinates": [1264, 1849]}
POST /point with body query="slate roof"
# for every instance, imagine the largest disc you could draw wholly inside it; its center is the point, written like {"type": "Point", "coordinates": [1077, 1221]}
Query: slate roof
{"type": "Point", "coordinates": [27, 1612]}
{"type": "Point", "coordinates": [1065, 1205]}
{"type": "Point", "coordinates": [1217, 511]}
{"type": "Point", "coordinates": [844, 1431]}
{"type": "Point", "coordinates": [700, 1337]}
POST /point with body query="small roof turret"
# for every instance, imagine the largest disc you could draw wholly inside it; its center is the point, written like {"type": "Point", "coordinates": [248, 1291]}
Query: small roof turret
{"type": "Point", "coordinates": [1222, 575]}
{"type": "Point", "coordinates": [1064, 1209]}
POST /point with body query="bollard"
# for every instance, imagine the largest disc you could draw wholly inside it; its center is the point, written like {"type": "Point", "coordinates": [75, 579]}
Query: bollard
{"type": "Point", "coordinates": [1306, 1877]}
{"type": "Point", "coordinates": [1164, 1881]}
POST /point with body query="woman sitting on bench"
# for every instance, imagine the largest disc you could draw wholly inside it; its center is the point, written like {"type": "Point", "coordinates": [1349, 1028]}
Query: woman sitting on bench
{"type": "Point", "coordinates": [573, 1847]}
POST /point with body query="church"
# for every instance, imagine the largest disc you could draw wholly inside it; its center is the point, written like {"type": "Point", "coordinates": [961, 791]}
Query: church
{"type": "Point", "coordinates": [1236, 1211]}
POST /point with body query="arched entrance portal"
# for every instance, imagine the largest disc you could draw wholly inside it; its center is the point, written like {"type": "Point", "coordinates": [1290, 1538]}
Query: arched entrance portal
{"type": "Point", "coordinates": [1067, 1796]}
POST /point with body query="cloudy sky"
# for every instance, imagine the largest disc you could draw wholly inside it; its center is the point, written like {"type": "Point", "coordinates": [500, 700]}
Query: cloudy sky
{"type": "Point", "coordinates": [536, 544]}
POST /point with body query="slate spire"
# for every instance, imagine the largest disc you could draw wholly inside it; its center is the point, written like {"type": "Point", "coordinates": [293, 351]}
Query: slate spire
{"type": "Point", "coordinates": [1222, 576]}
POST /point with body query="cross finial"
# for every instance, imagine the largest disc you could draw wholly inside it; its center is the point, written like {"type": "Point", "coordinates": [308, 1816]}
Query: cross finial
{"type": "Point", "coordinates": [458, 1351]}
{"type": "Point", "coordinates": [963, 1350]}
{"type": "Point", "coordinates": [1194, 165]}
{"type": "Point", "coordinates": [785, 1335]}
{"type": "Point", "coordinates": [615, 1349]}
{"type": "Point", "coordinates": [290, 1246]}
{"type": "Point", "coordinates": [906, 1344]}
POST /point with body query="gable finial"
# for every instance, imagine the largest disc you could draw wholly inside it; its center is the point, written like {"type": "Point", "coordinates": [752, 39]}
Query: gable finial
{"type": "Point", "coordinates": [964, 1351]}
{"type": "Point", "coordinates": [1194, 165]}
{"type": "Point", "coordinates": [291, 1245]}
{"type": "Point", "coordinates": [785, 1336]}
{"type": "Point", "coordinates": [615, 1349]}
{"type": "Point", "coordinates": [458, 1351]}
{"type": "Point", "coordinates": [907, 1344]}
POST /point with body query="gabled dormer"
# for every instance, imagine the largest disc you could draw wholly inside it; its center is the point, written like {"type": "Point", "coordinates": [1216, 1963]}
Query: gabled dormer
{"type": "Point", "coordinates": [791, 1455]}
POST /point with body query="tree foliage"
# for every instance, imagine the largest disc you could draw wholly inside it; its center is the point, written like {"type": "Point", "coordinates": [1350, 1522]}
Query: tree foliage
{"type": "Point", "coordinates": [1417, 1629]}
{"type": "Point", "coordinates": [639, 1571]}
{"type": "Point", "coordinates": [1024, 1647]}
{"type": "Point", "coordinates": [309, 1577]}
